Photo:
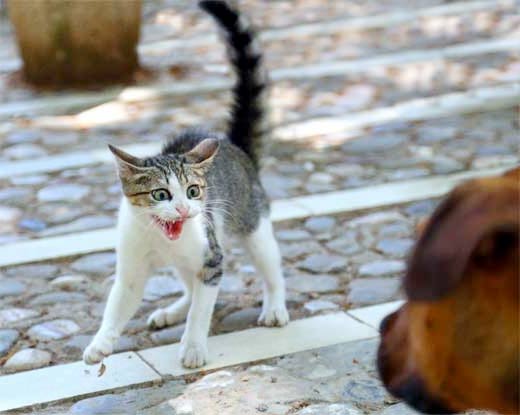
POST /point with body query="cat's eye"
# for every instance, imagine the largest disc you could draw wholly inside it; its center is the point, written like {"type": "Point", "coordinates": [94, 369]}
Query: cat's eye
{"type": "Point", "coordinates": [193, 192]}
{"type": "Point", "coordinates": [161, 195]}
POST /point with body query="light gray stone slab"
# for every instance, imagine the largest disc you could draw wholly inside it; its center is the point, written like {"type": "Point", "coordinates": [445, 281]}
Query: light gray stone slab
{"type": "Point", "coordinates": [235, 348]}
{"type": "Point", "coordinates": [72, 380]}
{"type": "Point", "coordinates": [373, 315]}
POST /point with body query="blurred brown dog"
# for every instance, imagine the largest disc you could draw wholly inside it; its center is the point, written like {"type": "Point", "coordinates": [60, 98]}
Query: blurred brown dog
{"type": "Point", "coordinates": [454, 345]}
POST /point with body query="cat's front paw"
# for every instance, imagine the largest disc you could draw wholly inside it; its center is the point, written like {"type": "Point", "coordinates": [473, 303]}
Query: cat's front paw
{"type": "Point", "coordinates": [173, 314]}
{"type": "Point", "coordinates": [96, 351]}
{"type": "Point", "coordinates": [194, 354]}
{"type": "Point", "coordinates": [274, 317]}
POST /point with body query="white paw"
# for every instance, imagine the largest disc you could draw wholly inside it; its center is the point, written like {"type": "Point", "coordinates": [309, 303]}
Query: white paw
{"type": "Point", "coordinates": [175, 313]}
{"type": "Point", "coordinates": [274, 317]}
{"type": "Point", "coordinates": [194, 354]}
{"type": "Point", "coordinates": [96, 351]}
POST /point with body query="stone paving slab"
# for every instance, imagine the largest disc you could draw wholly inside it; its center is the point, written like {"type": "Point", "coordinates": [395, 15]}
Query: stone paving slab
{"type": "Point", "coordinates": [72, 380]}
{"type": "Point", "coordinates": [373, 315]}
{"type": "Point", "coordinates": [262, 343]}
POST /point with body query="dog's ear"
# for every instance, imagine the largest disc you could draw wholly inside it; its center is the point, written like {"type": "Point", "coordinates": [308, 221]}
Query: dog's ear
{"type": "Point", "coordinates": [476, 222]}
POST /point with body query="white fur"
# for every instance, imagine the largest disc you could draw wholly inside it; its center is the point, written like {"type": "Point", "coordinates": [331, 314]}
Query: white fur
{"type": "Point", "coordinates": [142, 246]}
{"type": "Point", "coordinates": [264, 252]}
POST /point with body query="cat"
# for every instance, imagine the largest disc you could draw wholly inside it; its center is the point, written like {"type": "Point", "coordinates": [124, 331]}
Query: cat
{"type": "Point", "coordinates": [180, 206]}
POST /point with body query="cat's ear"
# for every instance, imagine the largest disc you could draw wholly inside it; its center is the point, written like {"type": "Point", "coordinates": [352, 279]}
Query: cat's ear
{"type": "Point", "coordinates": [203, 153]}
{"type": "Point", "coordinates": [127, 164]}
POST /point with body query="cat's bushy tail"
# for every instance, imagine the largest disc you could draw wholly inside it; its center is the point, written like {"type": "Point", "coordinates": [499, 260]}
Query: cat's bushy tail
{"type": "Point", "coordinates": [248, 121]}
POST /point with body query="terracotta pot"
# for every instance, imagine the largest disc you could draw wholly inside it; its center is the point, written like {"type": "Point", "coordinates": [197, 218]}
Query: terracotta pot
{"type": "Point", "coordinates": [77, 41]}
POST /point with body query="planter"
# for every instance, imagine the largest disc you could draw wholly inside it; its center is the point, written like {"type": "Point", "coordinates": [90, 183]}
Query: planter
{"type": "Point", "coordinates": [75, 41]}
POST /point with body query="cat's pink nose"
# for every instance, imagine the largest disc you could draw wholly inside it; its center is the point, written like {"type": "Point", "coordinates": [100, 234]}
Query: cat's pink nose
{"type": "Point", "coordinates": [182, 211]}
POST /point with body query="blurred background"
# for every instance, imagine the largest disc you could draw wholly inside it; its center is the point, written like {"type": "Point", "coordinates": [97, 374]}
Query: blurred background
{"type": "Point", "coordinates": [363, 93]}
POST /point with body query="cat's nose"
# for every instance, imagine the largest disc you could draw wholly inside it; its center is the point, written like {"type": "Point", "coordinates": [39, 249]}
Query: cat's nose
{"type": "Point", "coordinates": [183, 211]}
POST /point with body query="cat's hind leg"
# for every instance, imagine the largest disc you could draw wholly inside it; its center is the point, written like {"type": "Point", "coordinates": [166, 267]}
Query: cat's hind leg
{"type": "Point", "coordinates": [177, 311]}
{"type": "Point", "coordinates": [264, 251]}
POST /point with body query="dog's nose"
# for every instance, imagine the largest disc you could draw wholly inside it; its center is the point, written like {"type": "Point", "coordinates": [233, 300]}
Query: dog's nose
{"type": "Point", "coordinates": [413, 392]}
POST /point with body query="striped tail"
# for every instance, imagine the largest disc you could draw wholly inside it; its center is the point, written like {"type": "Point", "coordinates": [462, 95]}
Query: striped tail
{"type": "Point", "coordinates": [248, 121]}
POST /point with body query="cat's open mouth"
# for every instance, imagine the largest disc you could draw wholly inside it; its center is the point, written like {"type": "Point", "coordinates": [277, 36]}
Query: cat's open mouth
{"type": "Point", "coordinates": [171, 228]}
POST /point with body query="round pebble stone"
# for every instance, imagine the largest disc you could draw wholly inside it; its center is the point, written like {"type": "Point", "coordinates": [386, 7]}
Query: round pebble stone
{"type": "Point", "coordinates": [32, 180]}
{"type": "Point", "coordinates": [58, 298]}
{"type": "Point", "coordinates": [367, 291]}
{"type": "Point", "coordinates": [57, 213]}
{"type": "Point", "coordinates": [11, 287]}
{"type": "Point", "coordinates": [321, 178]}
{"type": "Point", "coordinates": [44, 271]}
{"type": "Point", "coordinates": [81, 224]}
{"type": "Point", "coordinates": [312, 283]}
{"type": "Point", "coordinates": [240, 320]}
{"type": "Point", "coordinates": [53, 330]}
{"type": "Point", "coordinates": [15, 195]}
{"type": "Point", "coordinates": [13, 315]}
{"type": "Point", "coordinates": [292, 235]}
{"type": "Point", "coordinates": [345, 244]}
{"type": "Point", "coordinates": [32, 225]}
{"type": "Point", "coordinates": [380, 268]}
{"type": "Point", "coordinates": [63, 193]}
{"type": "Point", "coordinates": [434, 134]}
{"type": "Point", "coordinates": [381, 142]}
{"type": "Point", "coordinates": [27, 359]}
{"type": "Point", "coordinates": [356, 97]}
{"type": "Point", "coordinates": [320, 224]}
{"type": "Point", "coordinates": [168, 335]}
{"type": "Point", "coordinates": [323, 263]}
{"type": "Point", "coordinates": [22, 136]}
{"type": "Point", "coordinates": [229, 284]}
{"type": "Point", "coordinates": [395, 247]}
{"type": "Point", "coordinates": [70, 282]}
{"type": "Point", "coordinates": [126, 343]}
{"type": "Point", "coordinates": [102, 263]}
{"type": "Point", "coordinates": [421, 209]}
{"type": "Point", "coordinates": [8, 338]}
{"type": "Point", "coordinates": [24, 151]}
{"type": "Point", "coordinates": [395, 229]}
{"type": "Point", "coordinates": [8, 218]}
{"type": "Point", "coordinates": [161, 286]}
{"type": "Point", "coordinates": [315, 306]}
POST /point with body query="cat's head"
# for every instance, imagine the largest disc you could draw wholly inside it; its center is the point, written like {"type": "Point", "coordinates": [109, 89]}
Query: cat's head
{"type": "Point", "coordinates": [170, 188]}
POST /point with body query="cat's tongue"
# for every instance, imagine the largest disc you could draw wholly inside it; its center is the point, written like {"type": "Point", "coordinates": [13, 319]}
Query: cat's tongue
{"type": "Point", "coordinates": [173, 229]}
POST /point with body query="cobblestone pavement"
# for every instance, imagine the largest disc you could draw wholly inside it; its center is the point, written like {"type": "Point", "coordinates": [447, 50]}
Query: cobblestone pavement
{"type": "Point", "coordinates": [87, 198]}
{"type": "Point", "coordinates": [335, 380]}
{"type": "Point", "coordinates": [331, 263]}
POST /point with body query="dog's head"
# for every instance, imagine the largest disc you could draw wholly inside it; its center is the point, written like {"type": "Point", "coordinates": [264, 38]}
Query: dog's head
{"type": "Point", "coordinates": [454, 345]}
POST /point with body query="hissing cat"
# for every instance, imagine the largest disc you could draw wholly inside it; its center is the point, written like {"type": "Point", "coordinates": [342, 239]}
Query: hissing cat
{"type": "Point", "coordinates": [179, 206]}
